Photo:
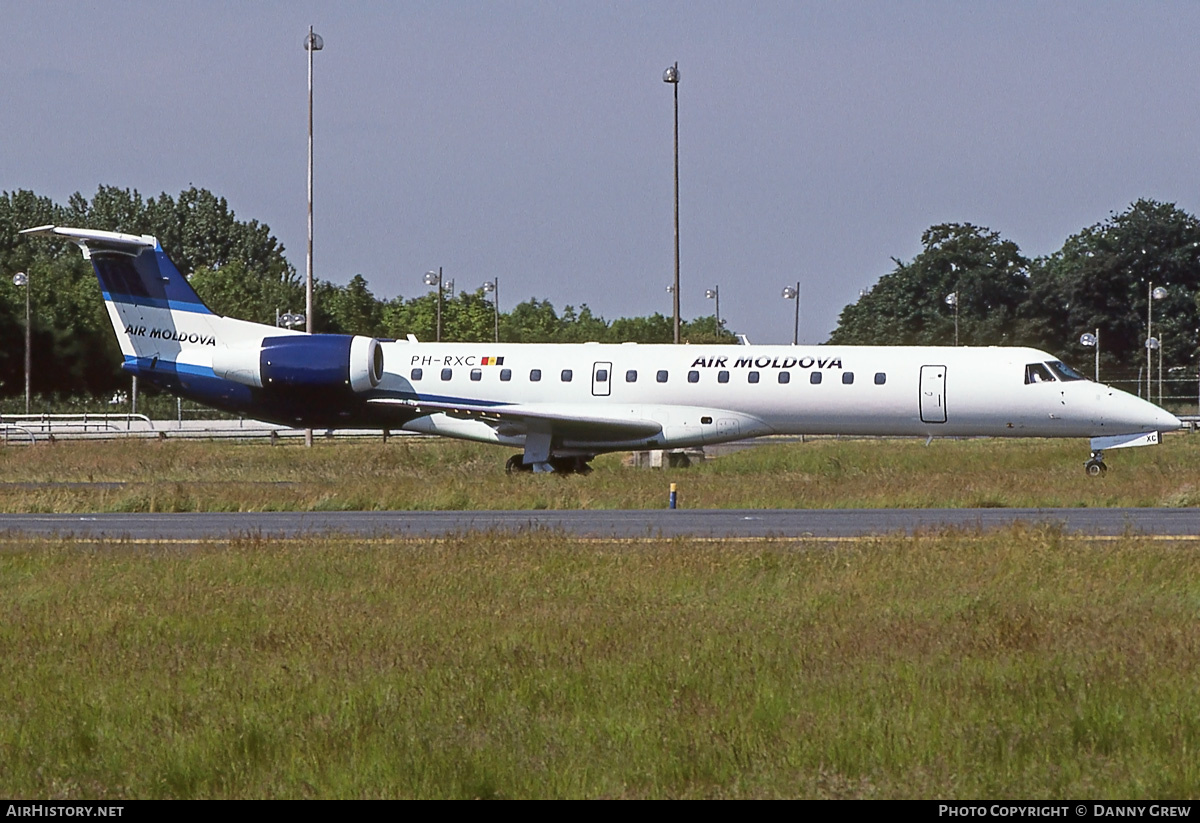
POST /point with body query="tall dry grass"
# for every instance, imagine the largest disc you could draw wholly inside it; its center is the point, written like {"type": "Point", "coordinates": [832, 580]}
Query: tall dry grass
{"type": "Point", "coordinates": [1010, 664]}
{"type": "Point", "coordinates": [406, 474]}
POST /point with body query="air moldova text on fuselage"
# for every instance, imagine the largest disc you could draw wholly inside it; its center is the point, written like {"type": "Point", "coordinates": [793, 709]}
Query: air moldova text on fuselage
{"type": "Point", "coordinates": [767, 362]}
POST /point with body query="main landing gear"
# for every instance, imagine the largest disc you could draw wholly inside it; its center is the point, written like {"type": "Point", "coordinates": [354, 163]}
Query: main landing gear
{"type": "Point", "coordinates": [1095, 465]}
{"type": "Point", "coordinates": [559, 465]}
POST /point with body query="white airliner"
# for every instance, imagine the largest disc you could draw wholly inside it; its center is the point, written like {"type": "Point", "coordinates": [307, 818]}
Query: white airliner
{"type": "Point", "coordinates": [563, 404]}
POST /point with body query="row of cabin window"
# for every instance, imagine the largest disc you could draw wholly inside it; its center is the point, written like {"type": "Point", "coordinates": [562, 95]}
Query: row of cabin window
{"type": "Point", "coordinates": [783, 377]}
{"type": "Point", "coordinates": [631, 376]}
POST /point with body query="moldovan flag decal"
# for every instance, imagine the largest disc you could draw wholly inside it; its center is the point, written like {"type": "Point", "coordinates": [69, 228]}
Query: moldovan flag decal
{"type": "Point", "coordinates": [492, 361]}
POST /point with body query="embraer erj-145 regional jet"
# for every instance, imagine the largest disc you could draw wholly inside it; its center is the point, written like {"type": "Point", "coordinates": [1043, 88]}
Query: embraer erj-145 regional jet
{"type": "Point", "coordinates": [563, 404]}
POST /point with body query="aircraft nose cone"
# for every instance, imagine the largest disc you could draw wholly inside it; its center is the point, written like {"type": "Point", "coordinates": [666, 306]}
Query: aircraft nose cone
{"type": "Point", "coordinates": [1130, 413]}
{"type": "Point", "coordinates": [1168, 422]}
{"type": "Point", "coordinates": [1157, 418]}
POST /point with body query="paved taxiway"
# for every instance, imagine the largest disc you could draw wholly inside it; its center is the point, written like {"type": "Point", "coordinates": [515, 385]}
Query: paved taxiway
{"type": "Point", "coordinates": [709, 523]}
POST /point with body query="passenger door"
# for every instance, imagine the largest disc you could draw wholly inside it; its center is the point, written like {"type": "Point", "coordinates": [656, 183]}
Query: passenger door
{"type": "Point", "coordinates": [933, 394]}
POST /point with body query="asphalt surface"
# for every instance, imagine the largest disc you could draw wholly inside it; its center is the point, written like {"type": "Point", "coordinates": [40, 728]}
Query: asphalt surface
{"type": "Point", "coordinates": [710, 523]}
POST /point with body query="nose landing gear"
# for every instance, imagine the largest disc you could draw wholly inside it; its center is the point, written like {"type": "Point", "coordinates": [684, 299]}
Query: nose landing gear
{"type": "Point", "coordinates": [1095, 465]}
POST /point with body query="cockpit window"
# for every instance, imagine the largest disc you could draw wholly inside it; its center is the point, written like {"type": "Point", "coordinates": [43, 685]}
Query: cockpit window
{"type": "Point", "coordinates": [1064, 372]}
{"type": "Point", "coordinates": [1038, 373]}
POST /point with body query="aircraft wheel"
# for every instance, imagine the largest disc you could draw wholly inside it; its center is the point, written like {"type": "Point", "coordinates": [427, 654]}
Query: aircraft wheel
{"type": "Point", "coordinates": [516, 465]}
{"type": "Point", "coordinates": [1095, 468]}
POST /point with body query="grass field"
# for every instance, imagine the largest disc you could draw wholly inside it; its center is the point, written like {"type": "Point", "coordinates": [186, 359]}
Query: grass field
{"type": "Point", "coordinates": [1014, 664]}
{"type": "Point", "coordinates": [1018, 663]}
{"type": "Point", "coordinates": [422, 474]}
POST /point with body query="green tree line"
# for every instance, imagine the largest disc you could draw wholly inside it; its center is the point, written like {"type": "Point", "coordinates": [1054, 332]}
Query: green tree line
{"type": "Point", "coordinates": [239, 269]}
{"type": "Point", "coordinates": [1099, 280]}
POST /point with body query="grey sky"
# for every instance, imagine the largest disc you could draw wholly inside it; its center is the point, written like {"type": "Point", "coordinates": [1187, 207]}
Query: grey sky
{"type": "Point", "coordinates": [532, 141]}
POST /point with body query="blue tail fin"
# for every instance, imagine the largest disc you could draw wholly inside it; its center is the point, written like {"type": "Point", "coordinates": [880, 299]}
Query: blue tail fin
{"type": "Point", "coordinates": [159, 320]}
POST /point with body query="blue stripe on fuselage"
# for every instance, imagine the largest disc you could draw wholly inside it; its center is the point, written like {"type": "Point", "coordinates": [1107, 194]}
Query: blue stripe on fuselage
{"type": "Point", "coordinates": [145, 365]}
{"type": "Point", "coordinates": [196, 383]}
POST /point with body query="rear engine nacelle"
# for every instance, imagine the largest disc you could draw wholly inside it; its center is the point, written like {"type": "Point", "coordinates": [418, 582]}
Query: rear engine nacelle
{"type": "Point", "coordinates": [316, 362]}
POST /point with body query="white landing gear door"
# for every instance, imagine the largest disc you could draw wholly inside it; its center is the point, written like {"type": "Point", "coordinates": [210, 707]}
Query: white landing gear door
{"type": "Point", "coordinates": [933, 394]}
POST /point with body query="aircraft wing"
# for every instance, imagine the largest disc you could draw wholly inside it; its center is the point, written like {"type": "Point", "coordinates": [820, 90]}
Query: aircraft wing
{"type": "Point", "coordinates": [521, 418]}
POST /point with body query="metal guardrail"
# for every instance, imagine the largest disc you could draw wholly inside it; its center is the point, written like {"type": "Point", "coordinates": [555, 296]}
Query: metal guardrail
{"type": "Point", "coordinates": [86, 421]}
{"type": "Point", "coordinates": [56, 425]}
{"type": "Point", "coordinates": [8, 428]}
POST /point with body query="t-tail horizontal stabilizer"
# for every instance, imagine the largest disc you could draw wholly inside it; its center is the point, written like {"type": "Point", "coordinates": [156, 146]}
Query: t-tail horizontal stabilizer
{"type": "Point", "coordinates": [132, 269]}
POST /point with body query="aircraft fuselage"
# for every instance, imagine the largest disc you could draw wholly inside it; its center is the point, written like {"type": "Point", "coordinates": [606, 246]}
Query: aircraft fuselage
{"type": "Point", "coordinates": [572, 401]}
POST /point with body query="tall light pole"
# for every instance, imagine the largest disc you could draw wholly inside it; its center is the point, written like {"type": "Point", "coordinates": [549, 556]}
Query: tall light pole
{"type": "Point", "coordinates": [671, 75]}
{"type": "Point", "coordinates": [434, 278]}
{"type": "Point", "coordinates": [493, 287]}
{"type": "Point", "coordinates": [790, 293]}
{"type": "Point", "coordinates": [952, 300]}
{"type": "Point", "coordinates": [1152, 294]}
{"type": "Point", "coordinates": [288, 319]}
{"type": "Point", "coordinates": [715, 294]}
{"type": "Point", "coordinates": [312, 43]}
{"type": "Point", "coordinates": [1089, 339]}
{"type": "Point", "coordinates": [1162, 344]}
{"type": "Point", "coordinates": [22, 279]}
